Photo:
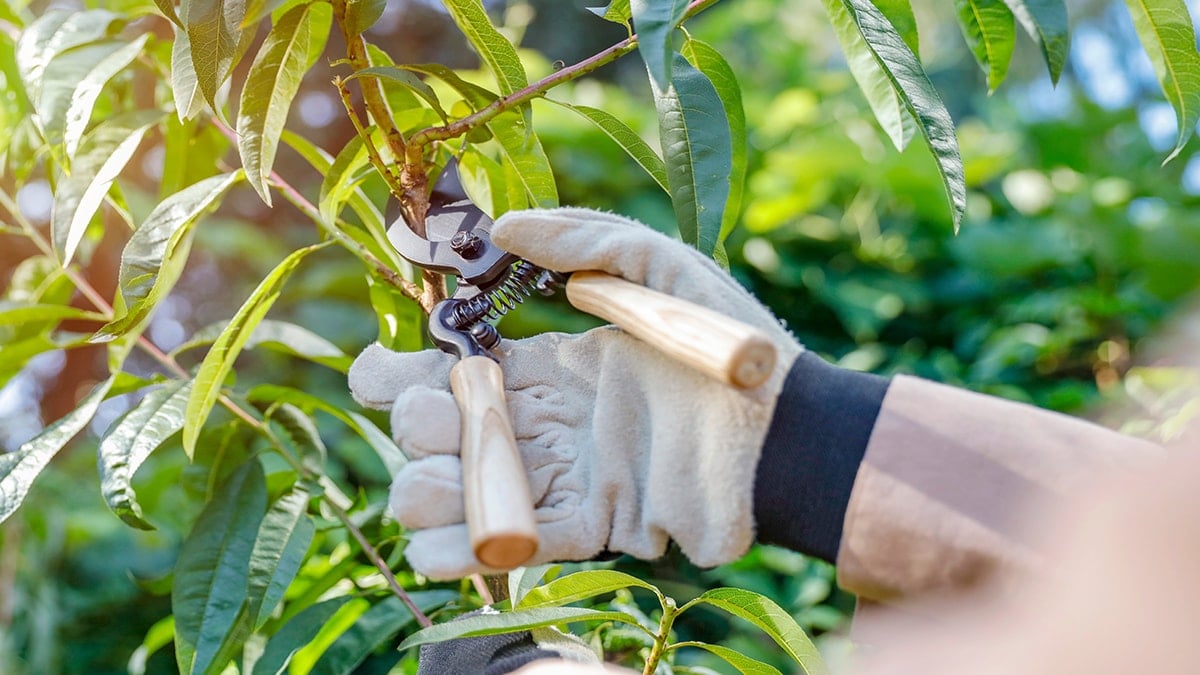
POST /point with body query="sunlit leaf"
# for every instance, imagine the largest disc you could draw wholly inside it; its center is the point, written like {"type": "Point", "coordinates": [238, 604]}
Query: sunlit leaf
{"type": "Point", "coordinates": [219, 361]}
{"type": "Point", "coordinates": [343, 178]}
{"type": "Point", "coordinates": [580, 586]}
{"type": "Point", "coordinates": [290, 49]}
{"type": "Point", "coordinates": [655, 22]}
{"type": "Point", "coordinates": [130, 441]}
{"type": "Point", "coordinates": [214, 29]}
{"type": "Point", "coordinates": [697, 152]}
{"type": "Point", "coordinates": [495, 49]}
{"type": "Point", "coordinates": [281, 336]}
{"type": "Point", "coordinates": [19, 468]}
{"type": "Point", "coordinates": [511, 622]}
{"type": "Point", "coordinates": [294, 634]}
{"type": "Point", "coordinates": [101, 157]}
{"type": "Point", "coordinates": [155, 255]}
{"type": "Point", "coordinates": [12, 314]}
{"type": "Point", "coordinates": [915, 90]}
{"type": "Point", "coordinates": [283, 538]}
{"type": "Point", "coordinates": [362, 14]}
{"type": "Point", "coordinates": [158, 636]}
{"type": "Point", "coordinates": [899, 13]}
{"type": "Point", "coordinates": [1165, 29]}
{"type": "Point", "coordinates": [628, 139]}
{"type": "Point", "coordinates": [485, 182]}
{"type": "Point", "coordinates": [167, 7]}
{"type": "Point", "coordinates": [54, 32]}
{"type": "Point", "coordinates": [524, 579]}
{"type": "Point", "coordinates": [617, 11]}
{"type": "Point", "coordinates": [185, 88]}
{"type": "Point", "coordinates": [743, 663]}
{"type": "Point", "coordinates": [407, 80]}
{"type": "Point", "coordinates": [990, 32]}
{"type": "Point", "coordinates": [72, 83]}
{"type": "Point", "coordinates": [375, 627]}
{"type": "Point", "coordinates": [209, 591]}
{"type": "Point", "coordinates": [1046, 22]}
{"type": "Point", "coordinates": [772, 620]}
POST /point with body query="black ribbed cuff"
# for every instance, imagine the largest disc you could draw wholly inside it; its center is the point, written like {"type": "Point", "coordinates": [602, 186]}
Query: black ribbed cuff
{"type": "Point", "coordinates": [816, 442]}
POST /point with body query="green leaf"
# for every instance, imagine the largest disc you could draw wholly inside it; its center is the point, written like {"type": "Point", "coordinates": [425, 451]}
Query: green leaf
{"type": "Point", "coordinates": [523, 579]}
{"type": "Point", "coordinates": [709, 61]}
{"type": "Point", "coordinates": [303, 433]}
{"type": "Point", "coordinates": [988, 27]}
{"type": "Point", "coordinates": [155, 255]}
{"type": "Point", "coordinates": [219, 360]}
{"type": "Point", "coordinates": [343, 178]}
{"type": "Point", "coordinates": [655, 22]}
{"type": "Point", "coordinates": [167, 7]}
{"type": "Point", "coordinates": [158, 636]}
{"type": "Point", "coordinates": [280, 336]}
{"type": "Point", "coordinates": [19, 468]}
{"type": "Point", "coordinates": [101, 157]}
{"type": "Point", "coordinates": [918, 95]}
{"type": "Point", "coordinates": [283, 540]}
{"type": "Point", "coordinates": [628, 139]}
{"type": "Point", "coordinates": [290, 49]}
{"type": "Point", "coordinates": [72, 83]}
{"type": "Point", "coordinates": [214, 29]}
{"type": "Point", "coordinates": [210, 585]}
{"type": "Point", "coordinates": [617, 11]}
{"type": "Point", "coordinates": [53, 33]}
{"type": "Point", "coordinates": [698, 153]}
{"type": "Point", "coordinates": [130, 441]}
{"type": "Point", "coordinates": [744, 664]}
{"type": "Point", "coordinates": [772, 620]}
{"type": "Point", "coordinates": [408, 81]}
{"type": "Point", "coordinates": [400, 318]}
{"type": "Point", "coordinates": [580, 586]}
{"type": "Point", "coordinates": [510, 622]}
{"type": "Point", "coordinates": [495, 49]}
{"type": "Point", "coordinates": [185, 88]}
{"type": "Point", "coordinates": [294, 634]}
{"type": "Point", "coordinates": [362, 14]}
{"type": "Point", "coordinates": [1165, 29]}
{"type": "Point", "coordinates": [1046, 22]}
{"type": "Point", "coordinates": [12, 314]}
{"type": "Point", "coordinates": [899, 13]}
{"type": "Point", "coordinates": [871, 76]}
{"type": "Point", "coordinates": [486, 183]}
{"type": "Point", "coordinates": [376, 626]}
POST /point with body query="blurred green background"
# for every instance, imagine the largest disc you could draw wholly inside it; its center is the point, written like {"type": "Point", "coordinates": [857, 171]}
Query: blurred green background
{"type": "Point", "coordinates": [1077, 246]}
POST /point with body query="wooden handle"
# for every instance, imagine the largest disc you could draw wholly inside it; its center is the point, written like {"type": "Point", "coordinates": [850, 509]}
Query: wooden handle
{"type": "Point", "coordinates": [714, 344]}
{"type": "Point", "coordinates": [495, 491]}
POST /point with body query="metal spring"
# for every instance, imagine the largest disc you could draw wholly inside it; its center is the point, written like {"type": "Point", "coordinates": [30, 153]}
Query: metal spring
{"type": "Point", "coordinates": [495, 303]}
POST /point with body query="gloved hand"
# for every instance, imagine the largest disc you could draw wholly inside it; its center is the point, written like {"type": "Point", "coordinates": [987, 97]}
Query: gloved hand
{"type": "Point", "coordinates": [624, 448]}
{"type": "Point", "coordinates": [505, 653]}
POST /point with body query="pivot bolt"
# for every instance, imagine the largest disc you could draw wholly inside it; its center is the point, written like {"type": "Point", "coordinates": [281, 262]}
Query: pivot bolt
{"type": "Point", "coordinates": [467, 244]}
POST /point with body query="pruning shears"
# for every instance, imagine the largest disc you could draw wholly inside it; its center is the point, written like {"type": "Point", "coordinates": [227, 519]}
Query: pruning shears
{"type": "Point", "coordinates": [492, 281]}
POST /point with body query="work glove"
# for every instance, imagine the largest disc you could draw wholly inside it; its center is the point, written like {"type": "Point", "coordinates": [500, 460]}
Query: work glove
{"type": "Point", "coordinates": [506, 652]}
{"type": "Point", "coordinates": [625, 449]}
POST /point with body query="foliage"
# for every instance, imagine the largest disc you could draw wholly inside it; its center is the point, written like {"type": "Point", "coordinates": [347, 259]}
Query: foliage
{"type": "Point", "coordinates": [260, 485]}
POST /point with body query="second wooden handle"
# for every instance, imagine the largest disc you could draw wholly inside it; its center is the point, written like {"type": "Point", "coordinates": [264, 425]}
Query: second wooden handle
{"type": "Point", "coordinates": [495, 491]}
{"type": "Point", "coordinates": [729, 350]}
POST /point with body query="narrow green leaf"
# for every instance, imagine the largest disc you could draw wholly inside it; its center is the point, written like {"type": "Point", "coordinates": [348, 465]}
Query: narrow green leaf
{"type": "Point", "coordinates": [18, 469]}
{"type": "Point", "coordinates": [257, 10]}
{"type": "Point", "coordinates": [101, 157]}
{"type": "Point", "coordinates": [130, 441]}
{"type": "Point", "coordinates": [211, 573]}
{"type": "Point", "coordinates": [476, 96]}
{"type": "Point", "coordinates": [655, 22]}
{"type": "Point", "coordinates": [870, 75]}
{"type": "Point", "coordinates": [281, 336]}
{"type": "Point", "coordinates": [185, 88]}
{"type": "Point", "coordinates": [495, 49]}
{"type": "Point", "coordinates": [158, 636]}
{"type": "Point", "coordinates": [399, 317]}
{"type": "Point", "coordinates": [219, 360]}
{"type": "Point", "coordinates": [709, 61]}
{"type": "Point", "coordinates": [303, 433]}
{"type": "Point", "coordinates": [1046, 22]}
{"type": "Point", "coordinates": [899, 13]}
{"type": "Point", "coordinates": [376, 626]}
{"type": "Point", "coordinates": [290, 49]}
{"type": "Point", "coordinates": [486, 183]}
{"type": "Point", "coordinates": [343, 178]}
{"type": "Point", "coordinates": [744, 664]}
{"type": "Point", "coordinates": [155, 255]}
{"type": "Point", "coordinates": [617, 11]}
{"type": "Point", "coordinates": [628, 139]}
{"type": "Point", "coordinates": [990, 32]}
{"type": "Point", "coordinates": [362, 14]}
{"type": "Point", "coordinates": [72, 83]}
{"type": "Point", "coordinates": [698, 153]}
{"type": "Point", "coordinates": [580, 586]}
{"type": "Point", "coordinates": [915, 90]}
{"type": "Point", "coordinates": [12, 314]}
{"type": "Point", "coordinates": [214, 29]}
{"type": "Point", "coordinates": [1165, 29]}
{"type": "Point", "coordinates": [524, 579]}
{"type": "Point", "coordinates": [772, 620]}
{"type": "Point", "coordinates": [283, 539]}
{"type": "Point", "coordinates": [167, 7]}
{"type": "Point", "coordinates": [511, 622]}
{"type": "Point", "coordinates": [53, 33]}
{"type": "Point", "coordinates": [294, 634]}
{"type": "Point", "coordinates": [407, 80]}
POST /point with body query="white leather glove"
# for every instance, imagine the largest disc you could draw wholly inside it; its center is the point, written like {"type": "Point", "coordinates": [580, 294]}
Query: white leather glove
{"type": "Point", "coordinates": [624, 448]}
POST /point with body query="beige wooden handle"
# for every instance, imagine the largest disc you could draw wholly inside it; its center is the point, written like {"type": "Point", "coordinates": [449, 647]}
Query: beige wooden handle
{"type": "Point", "coordinates": [495, 491]}
{"type": "Point", "coordinates": [724, 348]}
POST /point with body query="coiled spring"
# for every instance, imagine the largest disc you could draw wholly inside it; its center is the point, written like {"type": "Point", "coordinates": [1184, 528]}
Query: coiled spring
{"type": "Point", "coordinates": [519, 284]}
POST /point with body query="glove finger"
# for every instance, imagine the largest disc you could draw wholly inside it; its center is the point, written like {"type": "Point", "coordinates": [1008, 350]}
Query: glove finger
{"type": "Point", "coordinates": [428, 493]}
{"type": "Point", "coordinates": [444, 554]}
{"type": "Point", "coordinates": [426, 422]}
{"type": "Point", "coordinates": [379, 375]}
